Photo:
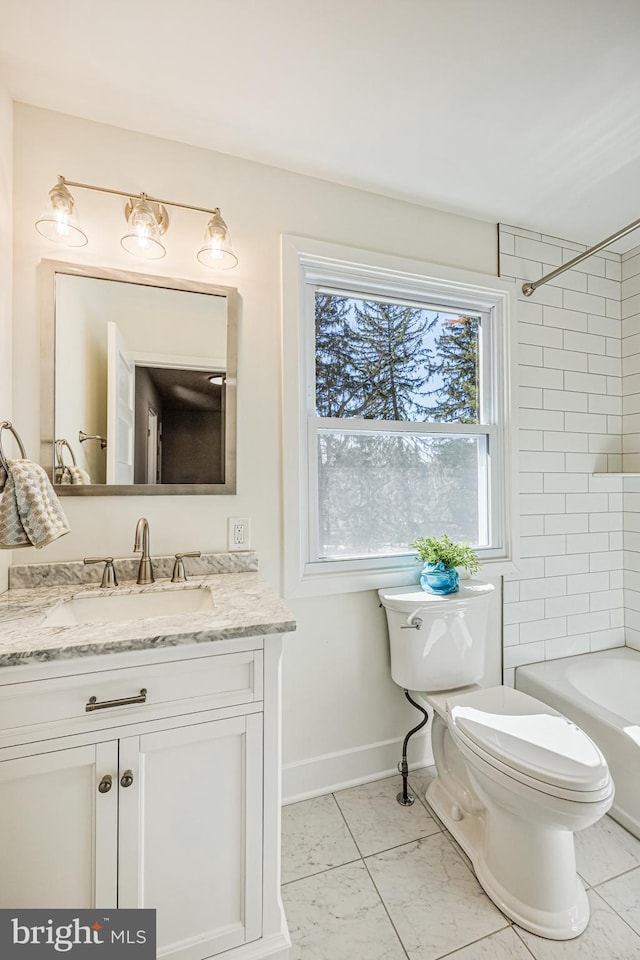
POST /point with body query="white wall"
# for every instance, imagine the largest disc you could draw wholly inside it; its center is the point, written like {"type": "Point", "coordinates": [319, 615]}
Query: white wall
{"type": "Point", "coordinates": [174, 323]}
{"type": "Point", "coordinates": [568, 595]}
{"type": "Point", "coordinates": [6, 167]}
{"type": "Point", "coordinates": [338, 692]}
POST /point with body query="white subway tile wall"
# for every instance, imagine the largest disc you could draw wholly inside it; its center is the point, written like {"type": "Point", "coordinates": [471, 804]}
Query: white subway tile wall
{"type": "Point", "coordinates": [567, 597]}
{"type": "Point", "coordinates": [630, 312]}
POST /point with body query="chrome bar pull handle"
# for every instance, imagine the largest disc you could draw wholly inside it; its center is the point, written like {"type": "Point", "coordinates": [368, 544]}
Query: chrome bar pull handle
{"type": "Point", "coordinates": [95, 704]}
{"type": "Point", "coordinates": [105, 784]}
{"type": "Point", "coordinates": [126, 779]}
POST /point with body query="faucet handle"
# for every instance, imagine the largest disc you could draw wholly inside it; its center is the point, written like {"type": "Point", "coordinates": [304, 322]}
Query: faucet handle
{"type": "Point", "coordinates": [109, 578]}
{"type": "Point", "coordinates": [179, 575]}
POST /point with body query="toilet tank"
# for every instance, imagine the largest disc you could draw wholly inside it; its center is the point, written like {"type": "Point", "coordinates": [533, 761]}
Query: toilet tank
{"type": "Point", "coordinates": [437, 642]}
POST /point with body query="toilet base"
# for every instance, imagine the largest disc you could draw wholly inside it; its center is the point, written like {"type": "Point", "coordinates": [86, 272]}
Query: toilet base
{"type": "Point", "coordinates": [469, 829]}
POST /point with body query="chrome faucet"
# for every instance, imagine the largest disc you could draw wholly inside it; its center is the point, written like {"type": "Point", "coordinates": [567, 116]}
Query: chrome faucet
{"type": "Point", "coordinates": [145, 570]}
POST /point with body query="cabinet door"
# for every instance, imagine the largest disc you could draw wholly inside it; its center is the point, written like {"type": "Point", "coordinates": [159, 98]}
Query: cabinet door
{"type": "Point", "coordinates": [57, 831]}
{"type": "Point", "coordinates": [190, 842]}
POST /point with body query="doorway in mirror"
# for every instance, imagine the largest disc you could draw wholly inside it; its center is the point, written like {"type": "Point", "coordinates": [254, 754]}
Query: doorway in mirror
{"type": "Point", "coordinates": [179, 425]}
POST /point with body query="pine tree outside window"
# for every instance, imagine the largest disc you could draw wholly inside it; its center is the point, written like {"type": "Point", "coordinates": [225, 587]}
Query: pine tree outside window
{"type": "Point", "coordinates": [402, 411]}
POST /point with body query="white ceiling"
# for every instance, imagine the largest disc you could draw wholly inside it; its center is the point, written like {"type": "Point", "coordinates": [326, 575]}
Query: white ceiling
{"type": "Point", "coordinates": [521, 112]}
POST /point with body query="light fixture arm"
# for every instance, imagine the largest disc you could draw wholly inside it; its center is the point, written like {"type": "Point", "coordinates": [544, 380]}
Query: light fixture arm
{"type": "Point", "coordinates": [532, 285]}
{"type": "Point", "coordinates": [123, 193]}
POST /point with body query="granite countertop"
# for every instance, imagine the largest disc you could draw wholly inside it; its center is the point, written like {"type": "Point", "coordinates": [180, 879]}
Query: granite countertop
{"type": "Point", "coordinates": [243, 605]}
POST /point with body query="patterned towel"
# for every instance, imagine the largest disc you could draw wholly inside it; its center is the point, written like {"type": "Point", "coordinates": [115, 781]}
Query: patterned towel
{"type": "Point", "coordinates": [74, 474]}
{"type": "Point", "coordinates": [30, 512]}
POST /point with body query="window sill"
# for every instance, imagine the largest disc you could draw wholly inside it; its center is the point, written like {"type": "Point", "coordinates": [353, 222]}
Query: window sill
{"type": "Point", "coordinates": [316, 584]}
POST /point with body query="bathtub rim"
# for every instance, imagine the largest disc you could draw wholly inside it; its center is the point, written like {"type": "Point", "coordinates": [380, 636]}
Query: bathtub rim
{"type": "Point", "coordinates": [554, 669]}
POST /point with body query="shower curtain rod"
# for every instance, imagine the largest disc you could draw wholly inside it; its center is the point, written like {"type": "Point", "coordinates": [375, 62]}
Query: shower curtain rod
{"type": "Point", "coordinates": [531, 285]}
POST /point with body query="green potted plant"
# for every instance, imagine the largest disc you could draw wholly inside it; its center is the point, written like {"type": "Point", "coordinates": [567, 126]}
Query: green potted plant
{"type": "Point", "coordinates": [440, 557]}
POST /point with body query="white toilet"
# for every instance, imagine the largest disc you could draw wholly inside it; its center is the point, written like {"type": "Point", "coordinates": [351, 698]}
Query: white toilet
{"type": "Point", "coordinates": [515, 778]}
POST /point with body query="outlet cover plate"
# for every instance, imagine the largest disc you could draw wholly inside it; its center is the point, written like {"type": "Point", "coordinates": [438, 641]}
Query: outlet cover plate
{"type": "Point", "coordinates": [239, 533]}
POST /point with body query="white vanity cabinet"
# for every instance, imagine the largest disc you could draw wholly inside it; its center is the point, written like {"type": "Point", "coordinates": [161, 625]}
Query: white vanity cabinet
{"type": "Point", "coordinates": [57, 835]}
{"type": "Point", "coordinates": [200, 868]}
{"type": "Point", "coordinates": [171, 803]}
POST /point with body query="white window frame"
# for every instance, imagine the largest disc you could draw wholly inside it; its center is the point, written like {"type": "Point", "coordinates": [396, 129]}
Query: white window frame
{"type": "Point", "coordinates": [309, 264]}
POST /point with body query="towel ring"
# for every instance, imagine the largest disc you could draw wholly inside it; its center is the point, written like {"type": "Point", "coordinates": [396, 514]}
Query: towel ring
{"type": "Point", "coordinates": [59, 444]}
{"type": "Point", "coordinates": [7, 425]}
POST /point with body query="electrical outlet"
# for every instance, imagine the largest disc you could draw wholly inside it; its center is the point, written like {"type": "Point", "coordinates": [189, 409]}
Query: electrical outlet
{"type": "Point", "coordinates": [239, 533]}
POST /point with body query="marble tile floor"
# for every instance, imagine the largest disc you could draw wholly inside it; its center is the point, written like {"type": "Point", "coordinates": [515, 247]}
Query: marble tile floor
{"type": "Point", "coordinates": [366, 879]}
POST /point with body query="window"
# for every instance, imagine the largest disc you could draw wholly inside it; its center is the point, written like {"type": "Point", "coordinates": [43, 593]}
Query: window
{"type": "Point", "coordinates": [400, 414]}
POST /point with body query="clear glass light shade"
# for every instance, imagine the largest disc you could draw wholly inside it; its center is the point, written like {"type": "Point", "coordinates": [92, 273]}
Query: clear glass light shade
{"type": "Point", "coordinates": [143, 231]}
{"type": "Point", "coordinates": [217, 252]}
{"type": "Point", "coordinates": [59, 220]}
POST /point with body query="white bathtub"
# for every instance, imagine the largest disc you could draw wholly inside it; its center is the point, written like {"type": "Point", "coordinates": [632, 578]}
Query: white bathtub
{"type": "Point", "coordinates": [601, 693]}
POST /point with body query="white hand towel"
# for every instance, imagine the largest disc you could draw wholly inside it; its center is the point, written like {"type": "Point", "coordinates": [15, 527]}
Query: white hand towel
{"type": "Point", "coordinates": [74, 474]}
{"type": "Point", "coordinates": [30, 512]}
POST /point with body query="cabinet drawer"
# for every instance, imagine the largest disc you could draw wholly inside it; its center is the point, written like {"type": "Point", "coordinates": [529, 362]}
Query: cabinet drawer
{"type": "Point", "coordinates": [170, 688]}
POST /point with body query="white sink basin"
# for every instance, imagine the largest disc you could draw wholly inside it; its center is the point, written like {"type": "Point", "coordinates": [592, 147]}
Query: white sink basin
{"type": "Point", "coordinates": [128, 606]}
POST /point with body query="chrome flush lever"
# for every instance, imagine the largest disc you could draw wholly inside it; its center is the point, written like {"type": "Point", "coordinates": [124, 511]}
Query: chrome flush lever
{"type": "Point", "coordinates": [413, 623]}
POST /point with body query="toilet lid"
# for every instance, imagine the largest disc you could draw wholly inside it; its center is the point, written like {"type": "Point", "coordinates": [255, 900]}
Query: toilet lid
{"type": "Point", "coordinates": [528, 736]}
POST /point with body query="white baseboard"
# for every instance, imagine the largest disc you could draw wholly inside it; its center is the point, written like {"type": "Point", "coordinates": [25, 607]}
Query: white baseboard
{"type": "Point", "coordinates": [348, 768]}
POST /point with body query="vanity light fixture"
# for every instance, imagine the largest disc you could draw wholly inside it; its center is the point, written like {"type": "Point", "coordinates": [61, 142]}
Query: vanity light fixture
{"type": "Point", "coordinates": [146, 222]}
{"type": "Point", "coordinates": [217, 251]}
{"type": "Point", "coordinates": [147, 219]}
{"type": "Point", "coordinates": [59, 220]}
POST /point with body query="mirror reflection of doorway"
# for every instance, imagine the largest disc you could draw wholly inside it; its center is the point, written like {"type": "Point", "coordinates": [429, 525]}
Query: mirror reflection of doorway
{"type": "Point", "coordinates": [181, 414]}
{"type": "Point", "coordinates": [121, 413]}
{"type": "Point", "coordinates": [152, 447]}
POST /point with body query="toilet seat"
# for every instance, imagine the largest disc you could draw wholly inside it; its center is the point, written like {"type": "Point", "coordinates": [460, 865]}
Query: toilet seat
{"type": "Point", "coordinates": [529, 742]}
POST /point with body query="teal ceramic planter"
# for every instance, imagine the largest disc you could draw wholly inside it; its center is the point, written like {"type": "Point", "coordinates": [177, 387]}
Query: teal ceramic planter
{"type": "Point", "coordinates": [439, 579]}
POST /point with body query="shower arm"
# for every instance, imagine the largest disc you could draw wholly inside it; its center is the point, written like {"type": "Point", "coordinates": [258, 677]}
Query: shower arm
{"type": "Point", "coordinates": [532, 285]}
